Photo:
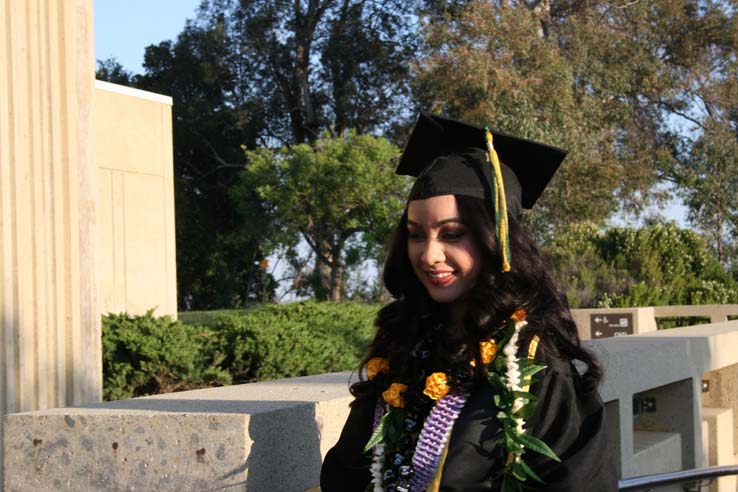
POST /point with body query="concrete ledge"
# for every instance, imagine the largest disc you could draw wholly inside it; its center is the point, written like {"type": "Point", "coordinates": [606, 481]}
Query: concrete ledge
{"type": "Point", "coordinates": [261, 437]}
{"type": "Point", "coordinates": [656, 452]}
{"type": "Point", "coordinates": [271, 436]}
{"type": "Point", "coordinates": [717, 438]}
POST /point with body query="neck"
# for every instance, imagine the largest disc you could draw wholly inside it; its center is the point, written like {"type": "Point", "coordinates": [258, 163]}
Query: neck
{"type": "Point", "coordinates": [456, 320]}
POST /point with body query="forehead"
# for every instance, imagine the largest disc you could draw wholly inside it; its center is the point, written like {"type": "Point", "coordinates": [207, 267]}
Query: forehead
{"type": "Point", "coordinates": [434, 209]}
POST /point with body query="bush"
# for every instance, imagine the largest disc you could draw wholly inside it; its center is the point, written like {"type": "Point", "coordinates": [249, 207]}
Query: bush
{"type": "Point", "coordinates": [145, 355]}
{"type": "Point", "coordinates": [287, 340]}
{"type": "Point", "coordinates": [660, 264]}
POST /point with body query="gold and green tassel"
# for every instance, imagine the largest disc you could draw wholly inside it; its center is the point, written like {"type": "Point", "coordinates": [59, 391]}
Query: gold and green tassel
{"type": "Point", "coordinates": [498, 189]}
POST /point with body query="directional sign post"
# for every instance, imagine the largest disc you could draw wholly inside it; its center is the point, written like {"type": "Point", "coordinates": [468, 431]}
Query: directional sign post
{"type": "Point", "coordinates": [610, 325]}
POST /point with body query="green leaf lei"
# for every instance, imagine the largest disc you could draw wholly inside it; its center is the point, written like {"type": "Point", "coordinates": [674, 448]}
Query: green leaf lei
{"type": "Point", "coordinates": [512, 417]}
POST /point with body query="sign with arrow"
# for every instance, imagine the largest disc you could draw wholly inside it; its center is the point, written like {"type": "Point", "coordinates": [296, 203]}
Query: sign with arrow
{"type": "Point", "coordinates": [610, 325]}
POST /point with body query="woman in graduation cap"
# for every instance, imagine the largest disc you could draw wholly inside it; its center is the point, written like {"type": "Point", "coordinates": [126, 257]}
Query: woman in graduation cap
{"type": "Point", "coordinates": [469, 384]}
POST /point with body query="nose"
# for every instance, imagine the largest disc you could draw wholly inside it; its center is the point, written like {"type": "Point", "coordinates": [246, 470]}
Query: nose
{"type": "Point", "coordinates": [432, 252]}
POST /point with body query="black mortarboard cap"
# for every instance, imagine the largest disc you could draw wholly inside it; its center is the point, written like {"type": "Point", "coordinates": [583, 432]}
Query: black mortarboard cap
{"type": "Point", "coordinates": [449, 157]}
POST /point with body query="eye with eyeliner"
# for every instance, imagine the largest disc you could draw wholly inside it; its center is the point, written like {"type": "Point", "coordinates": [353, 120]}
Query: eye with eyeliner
{"type": "Point", "coordinates": [450, 234]}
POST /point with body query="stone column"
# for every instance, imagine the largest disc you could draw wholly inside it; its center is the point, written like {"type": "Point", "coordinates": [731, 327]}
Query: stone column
{"type": "Point", "coordinates": [50, 351]}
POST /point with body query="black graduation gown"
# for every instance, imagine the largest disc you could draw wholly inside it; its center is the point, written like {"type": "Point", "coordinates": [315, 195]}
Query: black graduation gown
{"type": "Point", "coordinates": [571, 421]}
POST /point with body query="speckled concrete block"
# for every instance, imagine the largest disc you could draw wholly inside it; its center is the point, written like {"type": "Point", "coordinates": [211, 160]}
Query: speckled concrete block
{"type": "Point", "coordinates": [267, 436]}
{"type": "Point", "coordinates": [126, 452]}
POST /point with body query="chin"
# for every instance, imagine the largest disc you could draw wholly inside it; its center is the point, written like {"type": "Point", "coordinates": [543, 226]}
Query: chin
{"type": "Point", "coordinates": [442, 297]}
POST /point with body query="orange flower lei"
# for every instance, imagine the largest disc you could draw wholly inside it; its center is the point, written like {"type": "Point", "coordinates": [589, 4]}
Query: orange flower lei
{"type": "Point", "coordinates": [519, 315]}
{"type": "Point", "coordinates": [487, 350]}
{"type": "Point", "coordinates": [436, 386]}
{"type": "Point", "coordinates": [393, 395]}
{"type": "Point", "coordinates": [375, 365]}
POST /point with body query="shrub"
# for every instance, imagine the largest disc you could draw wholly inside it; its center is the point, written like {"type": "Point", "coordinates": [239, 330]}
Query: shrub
{"type": "Point", "coordinates": [145, 355]}
{"type": "Point", "coordinates": [659, 264]}
{"type": "Point", "coordinates": [287, 340]}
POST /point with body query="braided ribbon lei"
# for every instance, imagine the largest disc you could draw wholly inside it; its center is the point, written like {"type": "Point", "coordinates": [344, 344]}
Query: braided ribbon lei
{"type": "Point", "coordinates": [498, 189]}
{"type": "Point", "coordinates": [433, 438]}
{"type": "Point", "coordinates": [431, 441]}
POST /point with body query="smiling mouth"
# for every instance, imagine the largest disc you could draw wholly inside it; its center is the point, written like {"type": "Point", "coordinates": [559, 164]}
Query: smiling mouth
{"type": "Point", "coordinates": [440, 278]}
{"type": "Point", "coordinates": [439, 274]}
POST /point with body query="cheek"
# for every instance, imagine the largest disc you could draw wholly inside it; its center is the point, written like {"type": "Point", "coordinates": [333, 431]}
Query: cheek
{"type": "Point", "coordinates": [470, 259]}
{"type": "Point", "coordinates": [412, 253]}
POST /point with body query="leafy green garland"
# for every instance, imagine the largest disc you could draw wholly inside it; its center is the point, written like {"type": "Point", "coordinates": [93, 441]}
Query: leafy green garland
{"type": "Point", "coordinates": [511, 377]}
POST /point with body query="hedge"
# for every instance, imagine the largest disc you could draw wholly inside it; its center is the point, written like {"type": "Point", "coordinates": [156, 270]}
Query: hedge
{"type": "Point", "coordinates": [145, 355]}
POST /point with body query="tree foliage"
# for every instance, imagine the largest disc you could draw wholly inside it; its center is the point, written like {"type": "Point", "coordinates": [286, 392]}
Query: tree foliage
{"type": "Point", "coordinates": [263, 74]}
{"type": "Point", "coordinates": [340, 195]}
{"type": "Point", "coordinates": [708, 178]}
{"type": "Point", "coordinates": [640, 93]}
{"type": "Point", "coordinates": [616, 84]}
{"type": "Point", "coordinates": [319, 65]}
{"type": "Point", "coordinates": [655, 265]}
{"type": "Point", "coordinates": [218, 257]}
{"type": "Point", "coordinates": [112, 71]}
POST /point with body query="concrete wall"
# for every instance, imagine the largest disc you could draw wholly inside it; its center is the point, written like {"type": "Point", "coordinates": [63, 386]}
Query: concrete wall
{"type": "Point", "coordinates": [86, 205]}
{"type": "Point", "coordinates": [49, 317]}
{"type": "Point", "coordinates": [717, 444]}
{"type": "Point", "coordinates": [643, 319]}
{"type": "Point", "coordinates": [136, 200]}
{"type": "Point", "coordinates": [273, 435]}
{"type": "Point", "coordinates": [268, 436]}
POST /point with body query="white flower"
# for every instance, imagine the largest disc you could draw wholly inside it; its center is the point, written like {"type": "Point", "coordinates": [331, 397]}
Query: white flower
{"type": "Point", "coordinates": [376, 468]}
{"type": "Point", "coordinates": [513, 372]}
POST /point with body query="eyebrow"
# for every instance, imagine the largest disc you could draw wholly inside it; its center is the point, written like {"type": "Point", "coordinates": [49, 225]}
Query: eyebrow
{"type": "Point", "coordinates": [437, 224]}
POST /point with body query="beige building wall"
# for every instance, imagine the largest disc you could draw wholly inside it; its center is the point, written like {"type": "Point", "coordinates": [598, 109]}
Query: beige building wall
{"type": "Point", "coordinates": [50, 353]}
{"type": "Point", "coordinates": [136, 200]}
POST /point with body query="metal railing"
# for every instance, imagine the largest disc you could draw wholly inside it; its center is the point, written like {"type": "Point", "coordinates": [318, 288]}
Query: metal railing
{"type": "Point", "coordinates": [695, 476]}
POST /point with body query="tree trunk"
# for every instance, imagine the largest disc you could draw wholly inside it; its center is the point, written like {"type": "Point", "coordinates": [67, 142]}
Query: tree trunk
{"type": "Point", "coordinates": [325, 273]}
{"type": "Point", "coordinates": [304, 121]}
{"type": "Point", "coordinates": [719, 236]}
{"type": "Point", "coordinates": [337, 270]}
{"type": "Point", "coordinates": [542, 10]}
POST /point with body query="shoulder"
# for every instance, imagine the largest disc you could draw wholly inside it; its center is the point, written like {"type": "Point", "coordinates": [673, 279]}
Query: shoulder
{"type": "Point", "coordinates": [571, 420]}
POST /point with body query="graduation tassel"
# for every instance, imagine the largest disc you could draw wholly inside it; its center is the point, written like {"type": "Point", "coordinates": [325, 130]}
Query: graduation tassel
{"type": "Point", "coordinates": [498, 189]}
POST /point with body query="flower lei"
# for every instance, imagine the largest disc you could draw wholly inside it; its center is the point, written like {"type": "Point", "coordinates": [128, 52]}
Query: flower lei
{"type": "Point", "coordinates": [395, 426]}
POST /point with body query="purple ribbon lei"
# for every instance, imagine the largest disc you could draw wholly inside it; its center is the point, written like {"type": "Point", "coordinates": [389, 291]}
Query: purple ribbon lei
{"type": "Point", "coordinates": [433, 438]}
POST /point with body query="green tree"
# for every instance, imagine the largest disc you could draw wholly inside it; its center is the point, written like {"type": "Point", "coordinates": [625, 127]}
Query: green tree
{"type": "Point", "coordinates": [659, 264]}
{"type": "Point", "coordinates": [619, 85]}
{"type": "Point", "coordinates": [112, 71]}
{"type": "Point", "coordinates": [340, 196]}
{"type": "Point", "coordinates": [321, 64]}
{"type": "Point", "coordinates": [709, 181]}
{"type": "Point", "coordinates": [264, 74]}
{"type": "Point", "coordinates": [218, 255]}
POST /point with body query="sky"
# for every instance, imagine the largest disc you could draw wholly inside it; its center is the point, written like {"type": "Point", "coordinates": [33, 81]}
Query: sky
{"type": "Point", "coordinates": [123, 28]}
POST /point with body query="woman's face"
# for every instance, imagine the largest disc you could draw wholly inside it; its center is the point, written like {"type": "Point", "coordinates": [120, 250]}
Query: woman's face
{"type": "Point", "coordinates": [443, 253]}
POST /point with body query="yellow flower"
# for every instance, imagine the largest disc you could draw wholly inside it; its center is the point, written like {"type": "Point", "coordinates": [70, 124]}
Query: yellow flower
{"type": "Point", "coordinates": [519, 315]}
{"type": "Point", "coordinates": [436, 385]}
{"type": "Point", "coordinates": [264, 264]}
{"type": "Point", "coordinates": [393, 395]}
{"type": "Point", "coordinates": [375, 365]}
{"type": "Point", "coordinates": [487, 350]}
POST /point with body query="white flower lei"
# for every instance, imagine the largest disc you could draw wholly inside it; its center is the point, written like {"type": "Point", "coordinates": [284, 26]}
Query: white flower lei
{"type": "Point", "coordinates": [513, 376]}
{"type": "Point", "coordinates": [376, 468]}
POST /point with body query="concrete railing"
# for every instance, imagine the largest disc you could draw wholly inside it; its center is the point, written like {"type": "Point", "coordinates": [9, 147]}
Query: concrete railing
{"type": "Point", "coordinates": [272, 435]}
{"type": "Point", "coordinates": [606, 322]}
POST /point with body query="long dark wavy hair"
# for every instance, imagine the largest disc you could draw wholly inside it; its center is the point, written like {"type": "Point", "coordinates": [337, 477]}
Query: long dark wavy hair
{"type": "Point", "coordinates": [404, 322]}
